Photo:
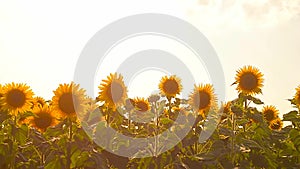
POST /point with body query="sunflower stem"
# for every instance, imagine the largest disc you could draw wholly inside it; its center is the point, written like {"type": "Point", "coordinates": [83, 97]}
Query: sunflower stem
{"type": "Point", "coordinates": [68, 163]}
{"type": "Point", "coordinates": [170, 106]}
{"type": "Point", "coordinates": [13, 139]}
{"type": "Point", "coordinates": [156, 128]}
{"type": "Point", "coordinates": [233, 139]}
{"type": "Point", "coordinates": [129, 118]}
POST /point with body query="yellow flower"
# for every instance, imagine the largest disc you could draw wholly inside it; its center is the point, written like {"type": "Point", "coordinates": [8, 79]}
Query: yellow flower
{"type": "Point", "coordinates": [39, 101]}
{"type": "Point", "coordinates": [113, 90]}
{"type": "Point", "coordinates": [297, 96]}
{"type": "Point", "coordinates": [276, 124]}
{"type": "Point", "coordinates": [170, 86]}
{"type": "Point", "coordinates": [141, 104]}
{"type": "Point", "coordinates": [270, 113]}
{"type": "Point", "coordinates": [226, 108]}
{"type": "Point", "coordinates": [91, 107]}
{"type": "Point", "coordinates": [202, 98]}
{"type": "Point", "coordinates": [16, 98]}
{"type": "Point", "coordinates": [68, 99]}
{"type": "Point", "coordinates": [249, 80]}
{"type": "Point", "coordinates": [44, 117]}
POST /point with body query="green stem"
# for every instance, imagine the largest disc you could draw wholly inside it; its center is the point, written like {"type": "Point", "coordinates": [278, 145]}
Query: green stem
{"type": "Point", "coordinates": [156, 128]}
{"type": "Point", "coordinates": [233, 139]}
{"type": "Point", "coordinates": [13, 139]}
{"type": "Point", "coordinates": [69, 148]}
{"type": "Point", "coordinates": [169, 104]}
{"type": "Point", "coordinates": [129, 118]}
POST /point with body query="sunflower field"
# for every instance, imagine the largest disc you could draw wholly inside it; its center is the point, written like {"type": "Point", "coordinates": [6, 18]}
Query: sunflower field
{"type": "Point", "coordinates": [63, 132]}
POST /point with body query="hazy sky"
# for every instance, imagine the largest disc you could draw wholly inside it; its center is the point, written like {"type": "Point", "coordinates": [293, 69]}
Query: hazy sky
{"type": "Point", "coordinates": [40, 42]}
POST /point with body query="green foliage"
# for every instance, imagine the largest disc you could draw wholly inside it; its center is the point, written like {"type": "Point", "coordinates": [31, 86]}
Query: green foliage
{"type": "Point", "coordinates": [239, 138]}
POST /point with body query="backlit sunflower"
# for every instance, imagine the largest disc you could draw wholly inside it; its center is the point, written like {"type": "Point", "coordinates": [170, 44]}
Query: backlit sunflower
{"type": "Point", "coordinates": [113, 90]}
{"type": "Point", "coordinates": [202, 98]}
{"type": "Point", "coordinates": [141, 104]}
{"type": "Point", "coordinates": [270, 113]}
{"type": "Point", "coordinates": [91, 107]}
{"type": "Point", "coordinates": [16, 98]}
{"type": "Point", "coordinates": [249, 80]}
{"type": "Point", "coordinates": [276, 124]}
{"type": "Point", "coordinates": [43, 118]}
{"type": "Point", "coordinates": [39, 101]}
{"type": "Point", "coordinates": [226, 108]}
{"type": "Point", "coordinates": [68, 99]}
{"type": "Point", "coordinates": [170, 86]}
{"type": "Point", "coordinates": [297, 96]}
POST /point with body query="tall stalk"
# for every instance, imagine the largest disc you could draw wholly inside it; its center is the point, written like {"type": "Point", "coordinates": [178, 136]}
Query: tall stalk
{"type": "Point", "coordinates": [69, 148]}
{"type": "Point", "coordinates": [13, 132]}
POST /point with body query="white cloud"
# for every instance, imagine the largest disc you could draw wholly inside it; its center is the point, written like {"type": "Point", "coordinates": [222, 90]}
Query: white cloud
{"type": "Point", "coordinates": [243, 13]}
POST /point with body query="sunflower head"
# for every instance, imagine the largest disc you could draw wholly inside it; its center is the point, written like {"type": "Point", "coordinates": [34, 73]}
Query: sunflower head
{"type": "Point", "coordinates": [141, 105]}
{"type": "Point", "coordinates": [170, 86]}
{"type": "Point", "coordinates": [297, 96]}
{"type": "Point", "coordinates": [227, 108]}
{"type": "Point", "coordinates": [249, 80]}
{"type": "Point", "coordinates": [91, 107]}
{"type": "Point", "coordinates": [113, 91]}
{"type": "Point", "coordinates": [270, 113]}
{"type": "Point", "coordinates": [16, 98]}
{"type": "Point", "coordinates": [276, 124]}
{"type": "Point", "coordinates": [68, 99]}
{"type": "Point", "coordinates": [43, 118]}
{"type": "Point", "coordinates": [39, 101]}
{"type": "Point", "coordinates": [202, 98]}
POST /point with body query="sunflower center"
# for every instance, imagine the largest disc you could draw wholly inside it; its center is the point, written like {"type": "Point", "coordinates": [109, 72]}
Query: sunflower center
{"type": "Point", "coordinates": [202, 100]}
{"type": "Point", "coordinates": [141, 106]}
{"type": "Point", "coordinates": [269, 115]}
{"type": "Point", "coordinates": [249, 81]}
{"type": "Point", "coordinates": [16, 98]}
{"type": "Point", "coordinates": [115, 92]}
{"type": "Point", "coordinates": [171, 87]}
{"type": "Point", "coordinates": [43, 120]}
{"type": "Point", "coordinates": [67, 103]}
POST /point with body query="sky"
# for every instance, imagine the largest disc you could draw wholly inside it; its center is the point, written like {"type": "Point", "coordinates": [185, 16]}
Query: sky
{"type": "Point", "coordinates": [40, 41]}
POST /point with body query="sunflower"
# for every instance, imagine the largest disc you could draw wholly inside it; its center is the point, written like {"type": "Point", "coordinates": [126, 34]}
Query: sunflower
{"type": "Point", "coordinates": [297, 96]}
{"type": "Point", "coordinates": [43, 118]}
{"type": "Point", "coordinates": [276, 124]}
{"type": "Point", "coordinates": [202, 98]}
{"type": "Point", "coordinates": [16, 98]}
{"type": "Point", "coordinates": [170, 86]}
{"type": "Point", "coordinates": [249, 80]}
{"type": "Point", "coordinates": [270, 113]}
{"type": "Point", "coordinates": [38, 101]}
{"type": "Point", "coordinates": [68, 99]}
{"type": "Point", "coordinates": [91, 107]}
{"type": "Point", "coordinates": [113, 90]}
{"type": "Point", "coordinates": [141, 104]}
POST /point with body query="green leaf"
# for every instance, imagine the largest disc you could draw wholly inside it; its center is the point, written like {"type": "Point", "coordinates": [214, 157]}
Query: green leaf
{"type": "Point", "coordinates": [55, 163]}
{"type": "Point", "coordinates": [21, 134]}
{"type": "Point", "coordinates": [255, 100]}
{"type": "Point", "coordinates": [291, 116]}
{"type": "Point", "coordinates": [166, 121]}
